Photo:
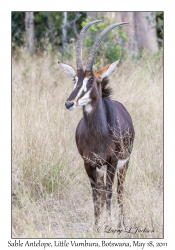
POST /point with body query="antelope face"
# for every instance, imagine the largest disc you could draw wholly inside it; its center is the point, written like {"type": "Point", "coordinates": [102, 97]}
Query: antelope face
{"type": "Point", "coordinates": [83, 84]}
{"type": "Point", "coordinates": [87, 85]}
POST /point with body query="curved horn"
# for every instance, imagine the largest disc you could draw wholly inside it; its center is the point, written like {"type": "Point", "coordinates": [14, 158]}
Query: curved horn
{"type": "Point", "coordinates": [97, 43]}
{"type": "Point", "coordinates": [80, 43]}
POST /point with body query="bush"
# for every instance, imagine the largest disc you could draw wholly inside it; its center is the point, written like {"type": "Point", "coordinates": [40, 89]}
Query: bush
{"type": "Point", "coordinates": [111, 46]}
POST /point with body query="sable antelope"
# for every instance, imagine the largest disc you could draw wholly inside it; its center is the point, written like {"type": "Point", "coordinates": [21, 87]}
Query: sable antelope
{"type": "Point", "coordinates": [105, 134]}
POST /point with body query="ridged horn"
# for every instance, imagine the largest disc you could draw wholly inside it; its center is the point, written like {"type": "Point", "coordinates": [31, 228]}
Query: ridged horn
{"type": "Point", "coordinates": [80, 43]}
{"type": "Point", "coordinates": [97, 43]}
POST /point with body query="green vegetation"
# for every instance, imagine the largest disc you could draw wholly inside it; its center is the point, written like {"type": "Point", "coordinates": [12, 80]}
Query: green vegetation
{"type": "Point", "coordinates": [159, 27]}
{"type": "Point", "coordinates": [109, 47]}
{"type": "Point", "coordinates": [47, 28]}
{"type": "Point", "coordinates": [48, 32]}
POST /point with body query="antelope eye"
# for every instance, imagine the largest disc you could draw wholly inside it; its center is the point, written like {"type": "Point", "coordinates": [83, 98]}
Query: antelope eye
{"type": "Point", "coordinates": [91, 80]}
{"type": "Point", "coordinates": [74, 80]}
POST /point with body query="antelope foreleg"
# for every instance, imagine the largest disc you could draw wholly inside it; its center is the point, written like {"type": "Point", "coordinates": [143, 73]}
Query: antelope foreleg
{"type": "Point", "coordinates": [96, 193]}
{"type": "Point", "coordinates": [121, 173]}
{"type": "Point", "coordinates": [101, 184]}
{"type": "Point", "coordinates": [110, 174]}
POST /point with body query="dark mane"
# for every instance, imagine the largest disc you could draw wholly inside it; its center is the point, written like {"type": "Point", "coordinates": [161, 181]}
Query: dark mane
{"type": "Point", "coordinates": [106, 90]}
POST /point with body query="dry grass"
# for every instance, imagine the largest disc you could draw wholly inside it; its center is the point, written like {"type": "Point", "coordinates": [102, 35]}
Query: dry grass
{"type": "Point", "coordinates": [51, 192]}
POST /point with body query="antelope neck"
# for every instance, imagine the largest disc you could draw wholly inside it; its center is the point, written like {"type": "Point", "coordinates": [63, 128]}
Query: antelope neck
{"type": "Point", "coordinates": [96, 120]}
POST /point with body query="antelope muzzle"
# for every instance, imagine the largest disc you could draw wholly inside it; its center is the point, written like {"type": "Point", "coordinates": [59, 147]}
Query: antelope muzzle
{"type": "Point", "coordinates": [69, 105]}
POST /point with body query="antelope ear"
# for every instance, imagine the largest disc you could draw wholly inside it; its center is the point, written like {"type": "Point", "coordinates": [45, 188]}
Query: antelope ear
{"type": "Point", "coordinates": [106, 71]}
{"type": "Point", "coordinates": [69, 70]}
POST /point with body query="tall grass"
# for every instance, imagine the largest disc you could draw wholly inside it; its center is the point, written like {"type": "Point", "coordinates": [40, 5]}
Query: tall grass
{"type": "Point", "coordinates": [51, 193]}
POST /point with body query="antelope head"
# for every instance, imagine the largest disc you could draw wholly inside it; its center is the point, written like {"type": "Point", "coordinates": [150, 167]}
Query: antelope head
{"type": "Point", "coordinates": [87, 84]}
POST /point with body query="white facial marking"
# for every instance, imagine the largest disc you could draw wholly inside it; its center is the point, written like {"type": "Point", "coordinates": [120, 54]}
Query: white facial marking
{"type": "Point", "coordinates": [72, 108]}
{"type": "Point", "coordinates": [84, 86]}
{"type": "Point", "coordinates": [85, 99]}
{"type": "Point", "coordinates": [121, 163]}
{"type": "Point", "coordinates": [76, 80]}
{"type": "Point", "coordinates": [88, 108]}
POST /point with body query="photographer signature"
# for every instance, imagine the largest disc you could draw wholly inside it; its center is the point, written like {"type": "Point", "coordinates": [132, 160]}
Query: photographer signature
{"type": "Point", "coordinates": [128, 229]}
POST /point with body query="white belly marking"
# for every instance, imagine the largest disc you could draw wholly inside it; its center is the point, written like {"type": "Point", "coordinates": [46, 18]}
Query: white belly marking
{"type": "Point", "coordinates": [121, 163]}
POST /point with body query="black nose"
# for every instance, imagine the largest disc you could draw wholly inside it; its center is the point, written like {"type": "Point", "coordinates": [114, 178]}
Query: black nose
{"type": "Point", "coordinates": [69, 104]}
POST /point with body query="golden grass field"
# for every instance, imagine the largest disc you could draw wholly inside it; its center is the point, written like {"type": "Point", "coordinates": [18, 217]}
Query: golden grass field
{"type": "Point", "coordinates": [51, 193]}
